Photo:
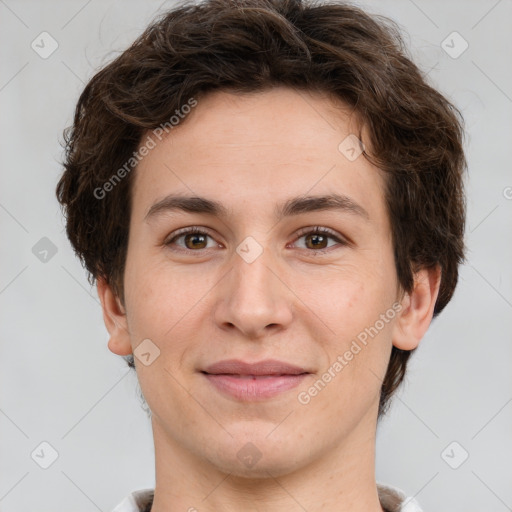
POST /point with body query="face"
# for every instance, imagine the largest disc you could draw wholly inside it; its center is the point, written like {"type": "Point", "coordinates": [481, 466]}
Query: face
{"type": "Point", "coordinates": [262, 269]}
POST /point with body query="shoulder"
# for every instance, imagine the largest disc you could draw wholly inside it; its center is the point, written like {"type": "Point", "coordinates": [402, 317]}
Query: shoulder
{"type": "Point", "coordinates": [395, 500]}
{"type": "Point", "coordinates": [136, 501]}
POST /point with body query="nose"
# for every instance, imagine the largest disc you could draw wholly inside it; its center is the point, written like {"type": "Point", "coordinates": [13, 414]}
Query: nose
{"type": "Point", "coordinates": [253, 299]}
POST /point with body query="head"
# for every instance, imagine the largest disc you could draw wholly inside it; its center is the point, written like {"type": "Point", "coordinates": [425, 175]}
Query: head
{"type": "Point", "coordinates": [249, 105]}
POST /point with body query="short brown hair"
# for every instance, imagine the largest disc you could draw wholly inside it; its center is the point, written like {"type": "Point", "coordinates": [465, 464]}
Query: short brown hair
{"type": "Point", "coordinates": [252, 45]}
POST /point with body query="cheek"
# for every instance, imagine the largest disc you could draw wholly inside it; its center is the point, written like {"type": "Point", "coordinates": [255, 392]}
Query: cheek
{"type": "Point", "coordinates": [348, 297]}
{"type": "Point", "coordinates": [356, 305]}
{"type": "Point", "coordinates": [357, 359]}
{"type": "Point", "coordinates": [158, 297]}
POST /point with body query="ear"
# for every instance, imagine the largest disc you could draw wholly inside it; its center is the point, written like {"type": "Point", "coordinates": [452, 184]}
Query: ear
{"type": "Point", "coordinates": [417, 309]}
{"type": "Point", "coordinates": [114, 316]}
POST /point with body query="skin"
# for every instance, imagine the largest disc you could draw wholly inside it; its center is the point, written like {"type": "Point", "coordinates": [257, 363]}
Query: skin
{"type": "Point", "coordinates": [205, 303]}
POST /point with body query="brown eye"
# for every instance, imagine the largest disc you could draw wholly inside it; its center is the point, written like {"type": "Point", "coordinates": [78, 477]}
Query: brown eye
{"type": "Point", "coordinates": [316, 241]}
{"type": "Point", "coordinates": [192, 239]}
{"type": "Point", "coordinates": [195, 241]}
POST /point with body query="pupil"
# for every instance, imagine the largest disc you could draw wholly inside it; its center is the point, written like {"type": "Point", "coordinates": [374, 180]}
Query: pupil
{"type": "Point", "coordinates": [194, 237]}
{"type": "Point", "coordinates": [316, 239]}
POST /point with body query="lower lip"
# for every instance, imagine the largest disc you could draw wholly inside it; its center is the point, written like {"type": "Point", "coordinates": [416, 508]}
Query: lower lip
{"type": "Point", "coordinates": [256, 387]}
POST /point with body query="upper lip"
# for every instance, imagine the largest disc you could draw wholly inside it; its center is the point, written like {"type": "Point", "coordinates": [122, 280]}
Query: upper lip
{"type": "Point", "coordinates": [266, 367]}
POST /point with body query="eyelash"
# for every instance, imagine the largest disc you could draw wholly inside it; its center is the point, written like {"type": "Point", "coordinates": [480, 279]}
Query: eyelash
{"type": "Point", "coordinates": [317, 230]}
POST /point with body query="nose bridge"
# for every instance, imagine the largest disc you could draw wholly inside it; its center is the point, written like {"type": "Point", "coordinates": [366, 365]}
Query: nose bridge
{"type": "Point", "coordinates": [252, 277]}
{"type": "Point", "coordinates": [253, 282]}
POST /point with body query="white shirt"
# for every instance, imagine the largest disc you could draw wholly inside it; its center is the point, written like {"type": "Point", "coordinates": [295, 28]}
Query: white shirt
{"type": "Point", "coordinates": [391, 499]}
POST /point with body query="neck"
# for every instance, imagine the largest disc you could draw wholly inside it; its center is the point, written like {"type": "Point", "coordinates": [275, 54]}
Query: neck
{"type": "Point", "coordinates": [342, 480]}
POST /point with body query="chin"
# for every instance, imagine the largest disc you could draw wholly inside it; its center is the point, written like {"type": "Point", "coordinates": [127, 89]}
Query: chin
{"type": "Point", "coordinates": [259, 456]}
{"type": "Point", "coordinates": [264, 468]}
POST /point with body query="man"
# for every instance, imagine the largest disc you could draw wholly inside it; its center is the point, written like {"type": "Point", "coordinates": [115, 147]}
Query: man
{"type": "Point", "coordinates": [270, 199]}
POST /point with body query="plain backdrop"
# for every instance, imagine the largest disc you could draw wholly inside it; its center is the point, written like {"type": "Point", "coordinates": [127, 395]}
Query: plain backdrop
{"type": "Point", "coordinates": [59, 384]}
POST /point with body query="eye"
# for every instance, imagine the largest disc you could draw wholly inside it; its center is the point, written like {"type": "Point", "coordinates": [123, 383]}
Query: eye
{"type": "Point", "coordinates": [317, 239]}
{"type": "Point", "coordinates": [192, 239]}
{"type": "Point", "coordinates": [195, 239]}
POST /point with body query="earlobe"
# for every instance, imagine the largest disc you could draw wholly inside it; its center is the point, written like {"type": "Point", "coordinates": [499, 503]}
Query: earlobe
{"type": "Point", "coordinates": [114, 316]}
{"type": "Point", "coordinates": [418, 309]}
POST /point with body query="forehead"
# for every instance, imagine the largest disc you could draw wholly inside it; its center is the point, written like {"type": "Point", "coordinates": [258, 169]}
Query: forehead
{"type": "Point", "coordinates": [254, 148]}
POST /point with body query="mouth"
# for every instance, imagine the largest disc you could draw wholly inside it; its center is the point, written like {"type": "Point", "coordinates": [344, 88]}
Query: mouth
{"type": "Point", "coordinates": [254, 381]}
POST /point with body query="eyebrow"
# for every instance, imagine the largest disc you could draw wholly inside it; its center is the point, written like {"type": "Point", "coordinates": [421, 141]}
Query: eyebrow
{"type": "Point", "coordinates": [293, 206]}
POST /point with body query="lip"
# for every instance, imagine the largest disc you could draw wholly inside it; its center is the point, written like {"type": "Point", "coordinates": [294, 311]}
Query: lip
{"type": "Point", "coordinates": [266, 367]}
{"type": "Point", "coordinates": [255, 388]}
{"type": "Point", "coordinates": [254, 381]}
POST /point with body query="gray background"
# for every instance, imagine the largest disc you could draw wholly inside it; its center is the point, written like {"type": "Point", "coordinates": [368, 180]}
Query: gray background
{"type": "Point", "coordinates": [60, 384]}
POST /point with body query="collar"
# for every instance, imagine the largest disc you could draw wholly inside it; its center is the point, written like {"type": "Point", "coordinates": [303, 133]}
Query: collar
{"type": "Point", "coordinates": [391, 499]}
